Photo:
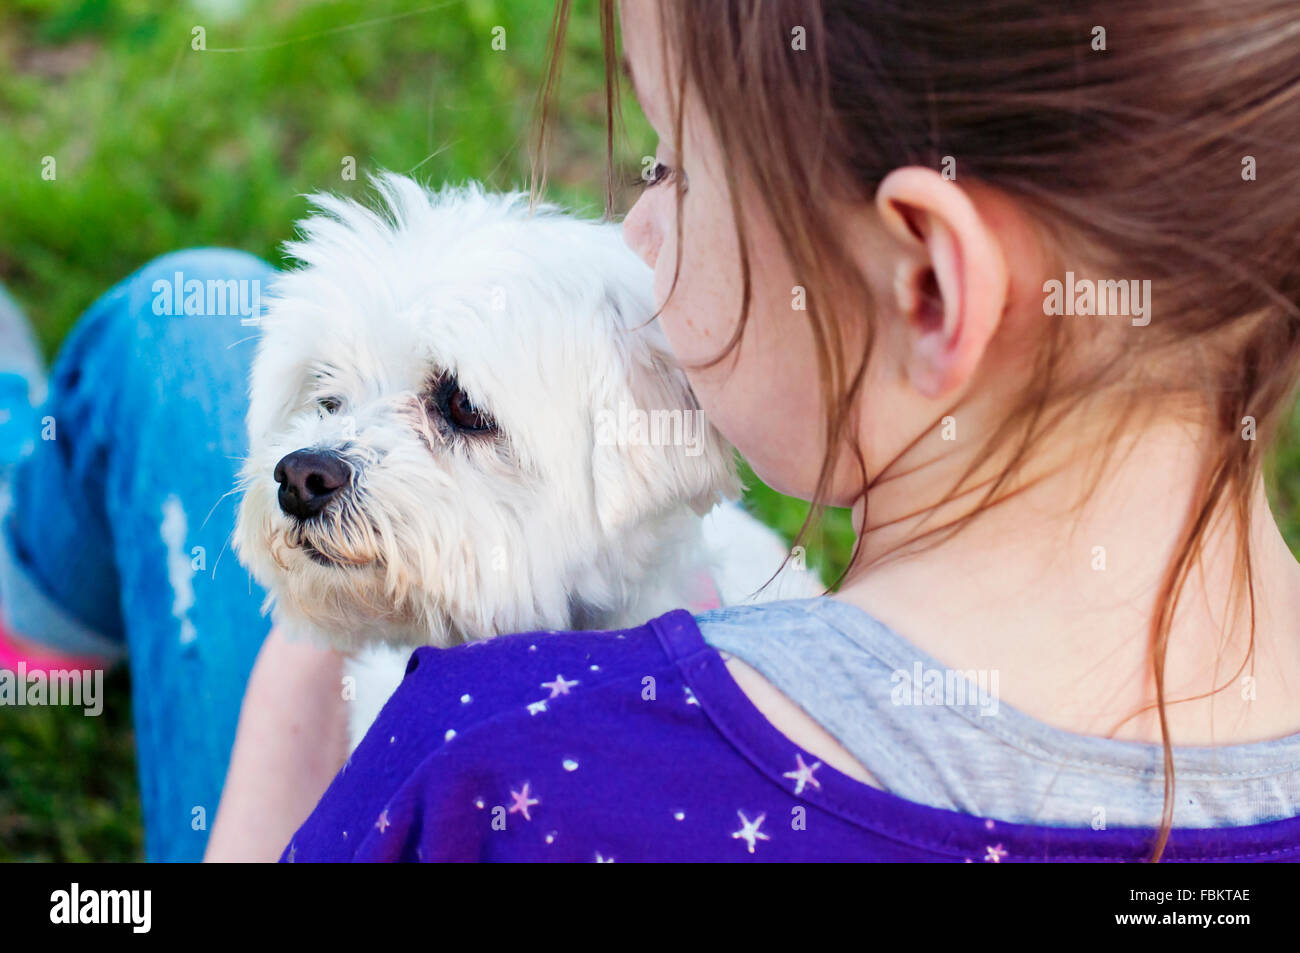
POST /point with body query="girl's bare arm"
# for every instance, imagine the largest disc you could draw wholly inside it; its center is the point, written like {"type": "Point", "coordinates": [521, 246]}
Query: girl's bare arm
{"type": "Point", "coordinates": [292, 740]}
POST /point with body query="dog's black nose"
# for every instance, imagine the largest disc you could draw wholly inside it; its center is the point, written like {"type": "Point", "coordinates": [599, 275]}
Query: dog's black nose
{"type": "Point", "coordinates": [309, 479]}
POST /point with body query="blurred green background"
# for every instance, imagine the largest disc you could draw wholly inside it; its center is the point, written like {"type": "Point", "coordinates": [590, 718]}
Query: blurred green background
{"type": "Point", "coordinates": [158, 146]}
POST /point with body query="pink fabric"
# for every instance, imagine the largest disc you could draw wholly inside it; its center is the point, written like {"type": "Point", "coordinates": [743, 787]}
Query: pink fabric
{"type": "Point", "coordinates": [704, 593]}
{"type": "Point", "coordinates": [40, 661]}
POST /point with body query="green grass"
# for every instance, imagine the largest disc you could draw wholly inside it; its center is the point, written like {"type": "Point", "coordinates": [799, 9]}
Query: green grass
{"type": "Point", "coordinates": [157, 146]}
{"type": "Point", "coordinates": [67, 782]}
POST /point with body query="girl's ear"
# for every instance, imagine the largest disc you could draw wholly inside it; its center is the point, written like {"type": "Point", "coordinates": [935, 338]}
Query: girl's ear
{"type": "Point", "coordinates": [653, 448]}
{"type": "Point", "coordinates": [950, 280]}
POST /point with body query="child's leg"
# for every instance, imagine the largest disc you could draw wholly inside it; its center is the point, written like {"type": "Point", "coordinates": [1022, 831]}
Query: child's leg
{"type": "Point", "coordinates": [116, 539]}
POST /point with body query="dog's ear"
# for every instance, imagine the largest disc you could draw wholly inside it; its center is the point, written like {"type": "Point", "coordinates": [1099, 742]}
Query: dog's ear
{"type": "Point", "coordinates": [653, 446]}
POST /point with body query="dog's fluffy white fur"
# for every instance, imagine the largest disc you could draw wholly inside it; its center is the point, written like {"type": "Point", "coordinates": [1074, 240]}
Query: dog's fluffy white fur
{"type": "Point", "coordinates": [542, 322]}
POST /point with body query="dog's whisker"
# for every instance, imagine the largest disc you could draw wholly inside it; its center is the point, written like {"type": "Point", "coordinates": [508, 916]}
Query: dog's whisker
{"type": "Point", "coordinates": [237, 488]}
{"type": "Point", "coordinates": [221, 552]}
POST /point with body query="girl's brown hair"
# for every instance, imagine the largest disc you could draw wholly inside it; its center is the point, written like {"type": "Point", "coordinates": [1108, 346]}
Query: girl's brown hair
{"type": "Point", "coordinates": [1162, 136]}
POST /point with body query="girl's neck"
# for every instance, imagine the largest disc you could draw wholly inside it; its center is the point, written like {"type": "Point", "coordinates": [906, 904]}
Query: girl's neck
{"type": "Point", "coordinates": [1058, 596]}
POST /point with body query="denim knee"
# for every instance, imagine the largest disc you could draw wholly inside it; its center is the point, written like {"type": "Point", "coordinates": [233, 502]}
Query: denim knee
{"type": "Point", "coordinates": [223, 286]}
{"type": "Point", "coordinates": [154, 358]}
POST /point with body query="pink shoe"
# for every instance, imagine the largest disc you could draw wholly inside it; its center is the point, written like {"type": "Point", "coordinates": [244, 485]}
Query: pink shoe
{"type": "Point", "coordinates": [36, 658]}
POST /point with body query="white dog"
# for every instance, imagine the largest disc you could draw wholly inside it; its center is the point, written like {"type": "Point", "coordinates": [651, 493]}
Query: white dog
{"type": "Point", "coordinates": [464, 423]}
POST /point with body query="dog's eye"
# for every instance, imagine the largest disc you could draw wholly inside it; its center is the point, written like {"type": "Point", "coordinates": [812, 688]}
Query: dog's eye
{"type": "Point", "coordinates": [462, 413]}
{"type": "Point", "coordinates": [329, 404]}
{"type": "Point", "coordinates": [457, 409]}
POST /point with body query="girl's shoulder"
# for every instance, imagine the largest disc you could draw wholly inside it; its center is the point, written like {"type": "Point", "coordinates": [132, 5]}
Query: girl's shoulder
{"type": "Point", "coordinates": [527, 668]}
{"type": "Point", "coordinates": [492, 710]}
{"type": "Point", "coordinates": [638, 744]}
{"type": "Point", "coordinates": [450, 694]}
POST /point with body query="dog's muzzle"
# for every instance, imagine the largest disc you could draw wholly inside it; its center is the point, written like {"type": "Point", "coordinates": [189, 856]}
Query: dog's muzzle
{"type": "Point", "coordinates": [309, 479]}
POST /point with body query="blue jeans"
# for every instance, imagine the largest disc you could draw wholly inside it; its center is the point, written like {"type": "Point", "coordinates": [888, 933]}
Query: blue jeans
{"type": "Point", "coordinates": [116, 539]}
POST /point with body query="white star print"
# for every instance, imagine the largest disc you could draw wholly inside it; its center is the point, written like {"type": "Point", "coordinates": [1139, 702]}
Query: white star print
{"type": "Point", "coordinates": [803, 774]}
{"type": "Point", "coordinates": [559, 686]}
{"type": "Point", "coordinates": [383, 823]}
{"type": "Point", "coordinates": [522, 802]}
{"type": "Point", "coordinates": [994, 854]}
{"type": "Point", "coordinates": [537, 707]}
{"type": "Point", "coordinates": [690, 695]}
{"type": "Point", "coordinates": [749, 831]}
{"type": "Point", "coordinates": [603, 860]}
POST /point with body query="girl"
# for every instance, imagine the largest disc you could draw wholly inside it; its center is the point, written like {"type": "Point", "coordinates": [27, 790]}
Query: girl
{"type": "Point", "coordinates": [1066, 630]}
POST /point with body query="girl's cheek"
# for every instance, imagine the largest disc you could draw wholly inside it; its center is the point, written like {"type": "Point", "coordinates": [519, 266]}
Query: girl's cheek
{"type": "Point", "coordinates": [665, 265]}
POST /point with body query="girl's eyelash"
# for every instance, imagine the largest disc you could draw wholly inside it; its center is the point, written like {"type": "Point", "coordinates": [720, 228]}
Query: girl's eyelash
{"type": "Point", "coordinates": [659, 173]}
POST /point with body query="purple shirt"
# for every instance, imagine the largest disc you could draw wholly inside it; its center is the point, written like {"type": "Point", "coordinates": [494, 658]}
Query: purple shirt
{"type": "Point", "coordinates": [637, 745]}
